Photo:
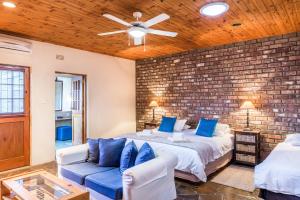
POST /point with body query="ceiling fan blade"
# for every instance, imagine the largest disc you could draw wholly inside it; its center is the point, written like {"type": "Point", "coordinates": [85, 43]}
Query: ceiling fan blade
{"type": "Point", "coordinates": [111, 33]}
{"type": "Point", "coordinates": [163, 33]}
{"type": "Point", "coordinates": [157, 19]}
{"type": "Point", "coordinates": [116, 19]}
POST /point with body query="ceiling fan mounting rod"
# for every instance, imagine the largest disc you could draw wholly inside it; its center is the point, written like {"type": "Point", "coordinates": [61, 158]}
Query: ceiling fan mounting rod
{"type": "Point", "coordinates": [137, 15]}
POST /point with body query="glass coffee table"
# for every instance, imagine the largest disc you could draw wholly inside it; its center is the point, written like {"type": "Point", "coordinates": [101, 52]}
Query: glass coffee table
{"type": "Point", "coordinates": [40, 185]}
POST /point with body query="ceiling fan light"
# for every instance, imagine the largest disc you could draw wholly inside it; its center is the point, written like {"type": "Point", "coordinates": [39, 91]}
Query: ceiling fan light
{"type": "Point", "coordinates": [214, 9]}
{"type": "Point", "coordinates": [137, 32]}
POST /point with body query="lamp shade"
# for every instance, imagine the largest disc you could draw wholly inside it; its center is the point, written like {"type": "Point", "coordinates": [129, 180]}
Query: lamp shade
{"type": "Point", "coordinates": [247, 105]}
{"type": "Point", "coordinates": [153, 104]}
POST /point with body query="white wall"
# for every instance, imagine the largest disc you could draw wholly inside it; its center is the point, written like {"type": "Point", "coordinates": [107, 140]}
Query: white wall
{"type": "Point", "coordinates": [111, 93]}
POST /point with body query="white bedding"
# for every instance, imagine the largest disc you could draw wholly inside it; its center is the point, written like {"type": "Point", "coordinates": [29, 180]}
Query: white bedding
{"type": "Point", "coordinates": [189, 159]}
{"type": "Point", "coordinates": [280, 171]}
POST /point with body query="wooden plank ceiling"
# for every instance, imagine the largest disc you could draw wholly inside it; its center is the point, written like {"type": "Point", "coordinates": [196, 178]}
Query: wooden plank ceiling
{"type": "Point", "coordinates": [75, 23]}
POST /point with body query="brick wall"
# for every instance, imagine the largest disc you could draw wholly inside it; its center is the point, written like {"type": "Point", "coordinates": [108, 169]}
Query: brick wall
{"type": "Point", "coordinates": [214, 82]}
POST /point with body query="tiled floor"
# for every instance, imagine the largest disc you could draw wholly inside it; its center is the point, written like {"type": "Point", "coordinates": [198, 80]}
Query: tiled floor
{"type": "Point", "coordinates": [185, 191]}
{"type": "Point", "coordinates": [62, 144]}
{"type": "Point", "coordinates": [211, 191]}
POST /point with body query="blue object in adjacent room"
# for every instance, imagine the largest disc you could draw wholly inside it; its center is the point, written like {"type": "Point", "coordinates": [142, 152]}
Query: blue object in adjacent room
{"type": "Point", "coordinates": [128, 156]}
{"type": "Point", "coordinates": [145, 153]}
{"type": "Point", "coordinates": [167, 124]}
{"type": "Point", "coordinates": [110, 151]}
{"type": "Point", "coordinates": [206, 127]}
{"type": "Point", "coordinates": [64, 133]}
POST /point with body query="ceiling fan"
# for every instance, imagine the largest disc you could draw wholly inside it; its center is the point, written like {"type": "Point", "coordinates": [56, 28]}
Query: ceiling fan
{"type": "Point", "coordinates": [138, 29]}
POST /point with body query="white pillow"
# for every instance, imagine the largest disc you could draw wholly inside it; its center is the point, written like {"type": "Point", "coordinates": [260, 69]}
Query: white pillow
{"type": "Point", "coordinates": [189, 131]}
{"type": "Point", "coordinates": [179, 124]}
{"type": "Point", "coordinates": [222, 129]}
{"type": "Point", "coordinates": [186, 127]}
{"type": "Point", "coordinates": [295, 143]}
{"type": "Point", "coordinates": [293, 138]}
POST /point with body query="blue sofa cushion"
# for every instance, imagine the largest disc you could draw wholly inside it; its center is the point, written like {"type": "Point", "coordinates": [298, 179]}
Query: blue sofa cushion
{"type": "Point", "coordinates": [93, 155]}
{"type": "Point", "coordinates": [108, 183]}
{"type": "Point", "coordinates": [206, 127]}
{"type": "Point", "coordinates": [78, 172]}
{"type": "Point", "coordinates": [128, 156]}
{"type": "Point", "coordinates": [145, 153]}
{"type": "Point", "coordinates": [110, 152]}
{"type": "Point", "coordinates": [167, 124]}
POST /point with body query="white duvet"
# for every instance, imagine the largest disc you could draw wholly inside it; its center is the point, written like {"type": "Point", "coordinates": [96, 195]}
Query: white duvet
{"type": "Point", "coordinates": [189, 159]}
{"type": "Point", "coordinates": [280, 171]}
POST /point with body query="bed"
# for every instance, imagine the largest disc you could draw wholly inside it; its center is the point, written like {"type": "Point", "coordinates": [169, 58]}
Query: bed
{"type": "Point", "coordinates": [278, 176]}
{"type": "Point", "coordinates": [198, 156]}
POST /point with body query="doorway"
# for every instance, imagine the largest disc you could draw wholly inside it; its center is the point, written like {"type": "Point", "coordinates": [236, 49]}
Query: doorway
{"type": "Point", "coordinates": [70, 109]}
{"type": "Point", "coordinates": [14, 117]}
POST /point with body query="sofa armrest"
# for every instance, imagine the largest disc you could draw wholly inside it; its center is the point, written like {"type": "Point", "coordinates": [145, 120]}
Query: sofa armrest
{"type": "Point", "coordinates": [72, 154]}
{"type": "Point", "coordinates": [145, 173]}
{"type": "Point", "coordinates": [170, 159]}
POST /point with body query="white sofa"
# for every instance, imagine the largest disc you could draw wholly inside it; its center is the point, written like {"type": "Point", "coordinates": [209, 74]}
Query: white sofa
{"type": "Point", "coordinates": [151, 180]}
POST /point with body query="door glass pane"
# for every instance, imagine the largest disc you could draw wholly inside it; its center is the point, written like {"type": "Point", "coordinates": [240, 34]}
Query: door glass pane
{"type": "Point", "coordinates": [4, 105]}
{"type": "Point", "coordinates": [11, 91]}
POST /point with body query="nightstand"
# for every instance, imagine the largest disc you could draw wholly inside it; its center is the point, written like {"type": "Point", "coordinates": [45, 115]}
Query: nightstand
{"type": "Point", "coordinates": [247, 147]}
{"type": "Point", "coordinates": [150, 125]}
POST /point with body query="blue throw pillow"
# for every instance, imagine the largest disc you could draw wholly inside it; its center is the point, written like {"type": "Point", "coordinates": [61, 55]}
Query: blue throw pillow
{"type": "Point", "coordinates": [206, 127]}
{"type": "Point", "coordinates": [110, 151]}
{"type": "Point", "coordinates": [93, 154]}
{"type": "Point", "coordinates": [167, 124]}
{"type": "Point", "coordinates": [128, 156]}
{"type": "Point", "coordinates": [145, 153]}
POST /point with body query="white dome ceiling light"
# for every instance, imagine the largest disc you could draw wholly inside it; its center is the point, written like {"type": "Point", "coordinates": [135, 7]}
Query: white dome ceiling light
{"type": "Point", "coordinates": [9, 4]}
{"type": "Point", "coordinates": [137, 32]}
{"type": "Point", "coordinates": [214, 9]}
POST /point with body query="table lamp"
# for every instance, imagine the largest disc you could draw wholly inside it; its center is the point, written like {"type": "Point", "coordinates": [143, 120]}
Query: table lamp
{"type": "Point", "coordinates": [247, 105]}
{"type": "Point", "coordinates": [153, 105]}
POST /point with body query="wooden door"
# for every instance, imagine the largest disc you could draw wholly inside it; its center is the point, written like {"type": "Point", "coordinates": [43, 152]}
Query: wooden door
{"type": "Point", "coordinates": [14, 117]}
{"type": "Point", "coordinates": [77, 110]}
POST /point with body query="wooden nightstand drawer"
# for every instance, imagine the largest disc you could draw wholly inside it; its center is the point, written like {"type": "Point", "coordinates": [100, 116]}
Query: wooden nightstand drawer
{"type": "Point", "coordinates": [246, 147]}
{"type": "Point", "coordinates": [250, 159]}
{"type": "Point", "coordinates": [245, 138]}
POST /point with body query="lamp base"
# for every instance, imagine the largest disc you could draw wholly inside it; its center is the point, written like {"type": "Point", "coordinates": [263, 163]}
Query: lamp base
{"type": "Point", "coordinates": [247, 129]}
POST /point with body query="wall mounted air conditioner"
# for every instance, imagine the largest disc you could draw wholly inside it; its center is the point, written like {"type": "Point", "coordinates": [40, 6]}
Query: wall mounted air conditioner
{"type": "Point", "coordinates": [14, 43]}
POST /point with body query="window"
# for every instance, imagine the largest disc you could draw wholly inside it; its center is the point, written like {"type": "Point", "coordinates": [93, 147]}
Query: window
{"type": "Point", "coordinates": [76, 95]}
{"type": "Point", "coordinates": [11, 91]}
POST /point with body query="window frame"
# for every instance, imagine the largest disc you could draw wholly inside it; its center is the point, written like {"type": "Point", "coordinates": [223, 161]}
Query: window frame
{"type": "Point", "coordinates": [26, 71]}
